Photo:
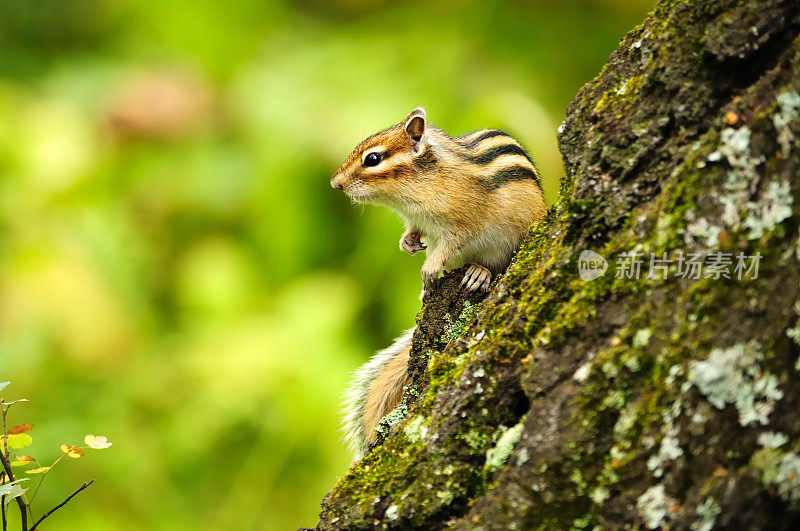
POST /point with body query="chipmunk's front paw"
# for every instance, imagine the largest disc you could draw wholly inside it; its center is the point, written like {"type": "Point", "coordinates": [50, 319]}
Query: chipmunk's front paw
{"type": "Point", "coordinates": [429, 274]}
{"type": "Point", "coordinates": [411, 243]}
{"type": "Point", "coordinates": [477, 277]}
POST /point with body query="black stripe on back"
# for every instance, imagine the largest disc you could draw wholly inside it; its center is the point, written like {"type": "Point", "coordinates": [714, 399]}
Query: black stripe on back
{"type": "Point", "coordinates": [485, 157]}
{"type": "Point", "coordinates": [483, 136]}
{"type": "Point", "coordinates": [510, 174]}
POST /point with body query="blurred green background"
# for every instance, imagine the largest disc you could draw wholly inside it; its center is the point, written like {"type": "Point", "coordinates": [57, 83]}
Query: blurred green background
{"type": "Point", "coordinates": [176, 272]}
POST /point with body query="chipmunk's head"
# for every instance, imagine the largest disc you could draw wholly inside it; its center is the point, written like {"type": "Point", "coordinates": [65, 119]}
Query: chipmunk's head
{"type": "Point", "coordinates": [382, 168]}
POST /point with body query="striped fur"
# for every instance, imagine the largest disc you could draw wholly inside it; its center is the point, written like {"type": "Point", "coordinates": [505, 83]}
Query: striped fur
{"type": "Point", "coordinates": [470, 198]}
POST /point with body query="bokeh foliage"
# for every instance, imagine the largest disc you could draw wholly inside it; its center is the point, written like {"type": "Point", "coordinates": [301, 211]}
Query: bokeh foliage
{"type": "Point", "coordinates": [176, 272]}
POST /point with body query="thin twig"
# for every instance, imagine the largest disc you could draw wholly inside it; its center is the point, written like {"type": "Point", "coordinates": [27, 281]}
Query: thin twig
{"type": "Point", "coordinates": [3, 472]}
{"type": "Point", "coordinates": [5, 430]}
{"type": "Point", "coordinates": [41, 480]}
{"type": "Point", "coordinates": [22, 514]}
{"type": "Point", "coordinates": [60, 505]}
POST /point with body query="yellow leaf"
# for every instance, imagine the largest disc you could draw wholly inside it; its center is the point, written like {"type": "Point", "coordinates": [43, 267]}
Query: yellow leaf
{"type": "Point", "coordinates": [20, 428]}
{"type": "Point", "coordinates": [72, 451]}
{"type": "Point", "coordinates": [22, 460]}
{"type": "Point", "coordinates": [38, 470]}
{"type": "Point", "coordinates": [19, 440]}
{"type": "Point", "coordinates": [98, 442]}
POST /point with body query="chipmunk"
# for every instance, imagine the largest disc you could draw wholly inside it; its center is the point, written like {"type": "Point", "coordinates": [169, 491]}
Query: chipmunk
{"type": "Point", "coordinates": [465, 200]}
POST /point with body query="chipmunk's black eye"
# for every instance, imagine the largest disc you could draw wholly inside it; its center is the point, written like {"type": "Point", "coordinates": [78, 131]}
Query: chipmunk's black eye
{"type": "Point", "coordinates": [373, 159]}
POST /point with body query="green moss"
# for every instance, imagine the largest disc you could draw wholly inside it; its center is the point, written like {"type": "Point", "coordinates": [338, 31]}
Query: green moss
{"type": "Point", "coordinates": [648, 387]}
{"type": "Point", "coordinates": [620, 99]}
{"type": "Point", "coordinates": [454, 329]}
{"type": "Point", "coordinates": [373, 470]}
{"type": "Point", "coordinates": [443, 369]}
{"type": "Point", "coordinates": [476, 439]}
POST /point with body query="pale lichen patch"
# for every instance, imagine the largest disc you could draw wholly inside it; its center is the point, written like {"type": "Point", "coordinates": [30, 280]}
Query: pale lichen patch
{"type": "Point", "coordinates": [702, 231]}
{"type": "Point", "coordinates": [642, 338]}
{"type": "Point", "coordinates": [522, 456]}
{"type": "Point", "coordinates": [739, 209]}
{"type": "Point", "coordinates": [655, 507]}
{"type": "Point", "coordinates": [707, 515]}
{"type": "Point", "coordinates": [582, 373]}
{"type": "Point", "coordinates": [782, 471]}
{"type": "Point", "coordinates": [734, 376]}
{"type": "Point", "coordinates": [774, 206]}
{"type": "Point", "coordinates": [788, 104]}
{"type": "Point", "coordinates": [600, 495]}
{"type": "Point", "coordinates": [496, 457]}
{"type": "Point", "coordinates": [794, 332]}
{"type": "Point", "coordinates": [416, 429]}
{"type": "Point", "coordinates": [735, 149]}
{"type": "Point", "coordinates": [394, 417]}
{"type": "Point", "coordinates": [770, 439]}
{"type": "Point", "coordinates": [626, 420]}
{"type": "Point", "coordinates": [668, 451]}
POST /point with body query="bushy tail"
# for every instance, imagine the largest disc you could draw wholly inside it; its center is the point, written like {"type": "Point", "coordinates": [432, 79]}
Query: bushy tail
{"type": "Point", "coordinates": [375, 390]}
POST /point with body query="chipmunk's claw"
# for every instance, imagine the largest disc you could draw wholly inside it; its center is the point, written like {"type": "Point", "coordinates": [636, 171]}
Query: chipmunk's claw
{"type": "Point", "coordinates": [411, 243]}
{"type": "Point", "coordinates": [476, 277]}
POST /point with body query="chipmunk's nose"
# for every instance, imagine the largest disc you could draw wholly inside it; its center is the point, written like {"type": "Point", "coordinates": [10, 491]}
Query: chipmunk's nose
{"type": "Point", "coordinates": [338, 181]}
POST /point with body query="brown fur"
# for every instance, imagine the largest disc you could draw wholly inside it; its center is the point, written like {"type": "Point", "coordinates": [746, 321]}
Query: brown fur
{"type": "Point", "coordinates": [385, 391]}
{"type": "Point", "coordinates": [450, 200]}
{"type": "Point", "coordinates": [470, 199]}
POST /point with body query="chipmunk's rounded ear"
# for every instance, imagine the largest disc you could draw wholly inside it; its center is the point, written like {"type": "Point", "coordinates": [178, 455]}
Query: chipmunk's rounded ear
{"type": "Point", "coordinates": [415, 127]}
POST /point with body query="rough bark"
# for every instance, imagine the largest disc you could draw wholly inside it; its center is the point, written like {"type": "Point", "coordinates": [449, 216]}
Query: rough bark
{"type": "Point", "coordinates": [561, 403]}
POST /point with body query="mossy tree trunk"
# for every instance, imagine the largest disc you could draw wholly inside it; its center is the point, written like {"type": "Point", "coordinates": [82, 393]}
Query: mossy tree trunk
{"type": "Point", "coordinates": [622, 402]}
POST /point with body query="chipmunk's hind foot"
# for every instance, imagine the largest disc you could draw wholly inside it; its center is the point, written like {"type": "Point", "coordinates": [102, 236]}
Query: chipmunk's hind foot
{"type": "Point", "coordinates": [477, 277]}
